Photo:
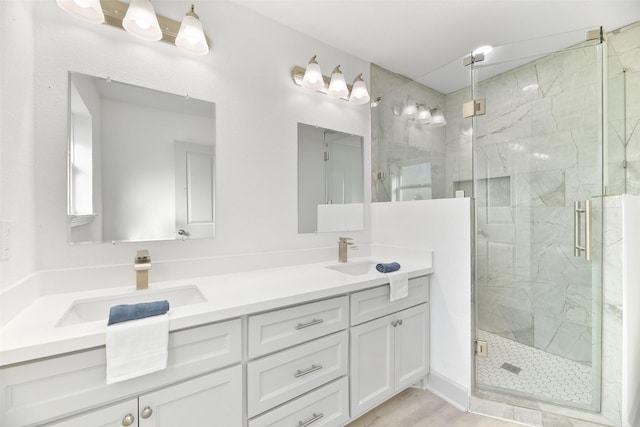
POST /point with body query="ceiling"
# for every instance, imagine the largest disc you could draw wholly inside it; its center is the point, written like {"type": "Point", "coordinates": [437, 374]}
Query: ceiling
{"type": "Point", "coordinates": [417, 37]}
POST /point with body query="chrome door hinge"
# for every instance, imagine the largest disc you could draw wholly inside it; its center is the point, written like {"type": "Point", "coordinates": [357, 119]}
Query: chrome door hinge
{"type": "Point", "coordinates": [597, 34]}
{"type": "Point", "coordinates": [472, 59]}
{"type": "Point", "coordinates": [477, 107]}
{"type": "Point", "coordinates": [482, 348]}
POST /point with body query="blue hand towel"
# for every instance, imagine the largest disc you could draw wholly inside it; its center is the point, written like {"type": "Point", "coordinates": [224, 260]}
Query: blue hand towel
{"type": "Point", "coordinates": [387, 267]}
{"type": "Point", "coordinates": [124, 312]}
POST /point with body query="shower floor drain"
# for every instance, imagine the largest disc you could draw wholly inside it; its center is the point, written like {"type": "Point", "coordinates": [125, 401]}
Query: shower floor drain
{"type": "Point", "coordinates": [511, 368]}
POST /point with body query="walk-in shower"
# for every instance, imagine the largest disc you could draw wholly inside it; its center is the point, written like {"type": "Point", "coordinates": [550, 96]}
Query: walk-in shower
{"type": "Point", "coordinates": [540, 150]}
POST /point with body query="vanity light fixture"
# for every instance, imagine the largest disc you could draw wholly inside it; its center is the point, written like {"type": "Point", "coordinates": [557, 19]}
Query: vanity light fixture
{"type": "Point", "coordinates": [87, 10]}
{"type": "Point", "coordinates": [337, 86]}
{"type": "Point", "coordinates": [139, 19]}
{"type": "Point", "coordinates": [191, 36]}
{"type": "Point", "coordinates": [312, 78]}
{"type": "Point", "coordinates": [359, 92]}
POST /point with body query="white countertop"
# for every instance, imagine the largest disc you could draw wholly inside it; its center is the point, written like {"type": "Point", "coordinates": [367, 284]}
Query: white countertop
{"type": "Point", "coordinates": [33, 333]}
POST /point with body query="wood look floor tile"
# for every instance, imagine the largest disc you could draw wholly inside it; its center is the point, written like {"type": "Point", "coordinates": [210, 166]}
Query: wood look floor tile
{"type": "Point", "coordinates": [418, 408]}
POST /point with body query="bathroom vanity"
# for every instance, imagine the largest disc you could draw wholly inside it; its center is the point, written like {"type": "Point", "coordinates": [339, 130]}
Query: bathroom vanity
{"type": "Point", "coordinates": [310, 345]}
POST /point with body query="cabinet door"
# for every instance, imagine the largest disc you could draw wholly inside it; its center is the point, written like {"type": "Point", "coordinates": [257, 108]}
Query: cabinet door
{"type": "Point", "coordinates": [213, 400]}
{"type": "Point", "coordinates": [411, 345]}
{"type": "Point", "coordinates": [111, 416]}
{"type": "Point", "coordinates": [372, 364]}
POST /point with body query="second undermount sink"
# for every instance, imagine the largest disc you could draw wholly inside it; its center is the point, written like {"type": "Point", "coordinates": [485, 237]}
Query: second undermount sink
{"type": "Point", "coordinates": [355, 268]}
{"type": "Point", "coordinates": [92, 309]}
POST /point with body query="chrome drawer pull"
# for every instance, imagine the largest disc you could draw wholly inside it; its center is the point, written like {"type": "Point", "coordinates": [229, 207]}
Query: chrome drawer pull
{"type": "Point", "coordinates": [306, 325]}
{"type": "Point", "coordinates": [315, 417]}
{"type": "Point", "coordinates": [128, 420]}
{"type": "Point", "coordinates": [313, 368]}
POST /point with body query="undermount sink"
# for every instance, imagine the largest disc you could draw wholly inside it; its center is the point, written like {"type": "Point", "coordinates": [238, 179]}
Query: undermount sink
{"type": "Point", "coordinates": [92, 309]}
{"type": "Point", "coordinates": [355, 268]}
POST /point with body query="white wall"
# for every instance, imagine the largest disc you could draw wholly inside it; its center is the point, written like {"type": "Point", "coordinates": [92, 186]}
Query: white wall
{"type": "Point", "coordinates": [17, 144]}
{"type": "Point", "coordinates": [444, 226]}
{"type": "Point", "coordinates": [247, 75]}
{"type": "Point", "coordinates": [631, 314]}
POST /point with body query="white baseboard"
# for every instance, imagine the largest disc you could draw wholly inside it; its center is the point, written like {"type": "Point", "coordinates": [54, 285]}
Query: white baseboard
{"type": "Point", "coordinates": [448, 390]}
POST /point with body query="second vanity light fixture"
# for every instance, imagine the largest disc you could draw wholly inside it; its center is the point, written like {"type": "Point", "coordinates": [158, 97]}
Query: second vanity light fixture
{"type": "Point", "coordinates": [139, 19]}
{"type": "Point", "coordinates": [311, 78]}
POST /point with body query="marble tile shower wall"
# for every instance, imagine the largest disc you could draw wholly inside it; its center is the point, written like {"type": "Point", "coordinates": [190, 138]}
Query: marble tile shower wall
{"type": "Point", "coordinates": [624, 110]}
{"type": "Point", "coordinates": [536, 153]}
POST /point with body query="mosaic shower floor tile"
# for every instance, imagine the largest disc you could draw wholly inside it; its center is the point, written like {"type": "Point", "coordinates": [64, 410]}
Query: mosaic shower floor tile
{"type": "Point", "coordinates": [514, 366]}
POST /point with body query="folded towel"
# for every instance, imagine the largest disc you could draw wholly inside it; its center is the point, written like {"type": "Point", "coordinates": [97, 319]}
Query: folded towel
{"type": "Point", "coordinates": [399, 285]}
{"type": "Point", "coordinates": [387, 267]}
{"type": "Point", "coordinates": [125, 312]}
{"type": "Point", "coordinates": [137, 348]}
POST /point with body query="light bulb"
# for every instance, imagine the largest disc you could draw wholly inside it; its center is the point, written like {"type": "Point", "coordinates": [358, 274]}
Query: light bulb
{"type": "Point", "coordinates": [141, 21]}
{"type": "Point", "coordinates": [409, 111]}
{"type": "Point", "coordinates": [337, 86]}
{"type": "Point", "coordinates": [87, 10]}
{"type": "Point", "coordinates": [191, 37]}
{"type": "Point", "coordinates": [437, 118]}
{"type": "Point", "coordinates": [313, 76]}
{"type": "Point", "coordinates": [359, 92]}
{"type": "Point", "coordinates": [423, 115]}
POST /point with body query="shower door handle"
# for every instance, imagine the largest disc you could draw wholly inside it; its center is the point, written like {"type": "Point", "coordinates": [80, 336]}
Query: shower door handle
{"type": "Point", "coordinates": [578, 246]}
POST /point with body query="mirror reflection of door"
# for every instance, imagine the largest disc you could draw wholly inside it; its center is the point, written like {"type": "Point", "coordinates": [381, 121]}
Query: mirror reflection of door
{"type": "Point", "coordinates": [195, 178]}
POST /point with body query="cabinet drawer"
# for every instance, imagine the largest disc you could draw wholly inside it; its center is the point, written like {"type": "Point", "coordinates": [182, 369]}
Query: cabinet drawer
{"type": "Point", "coordinates": [279, 329]}
{"type": "Point", "coordinates": [31, 392]}
{"type": "Point", "coordinates": [283, 376]}
{"type": "Point", "coordinates": [326, 406]}
{"type": "Point", "coordinates": [374, 303]}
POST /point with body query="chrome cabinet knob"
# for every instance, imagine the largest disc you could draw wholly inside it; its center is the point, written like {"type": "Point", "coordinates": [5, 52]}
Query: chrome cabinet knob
{"type": "Point", "coordinates": [146, 412]}
{"type": "Point", "coordinates": [128, 420]}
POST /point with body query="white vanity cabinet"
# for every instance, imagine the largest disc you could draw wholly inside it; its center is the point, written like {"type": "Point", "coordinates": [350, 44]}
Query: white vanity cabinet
{"type": "Point", "coordinates": [213, 400]}
{"type": "Point", "coordinates": [391, 352]}
{"type": "Point", "coordinates": [49, 389]}
{"type": "Point", "coordinates": [309, 347]}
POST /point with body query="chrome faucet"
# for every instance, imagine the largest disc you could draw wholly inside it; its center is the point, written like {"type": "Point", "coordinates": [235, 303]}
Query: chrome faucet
{"type": "Point", "coordinates": [343, 245]}
{"type": "Point", "coordinates": [142, 265]}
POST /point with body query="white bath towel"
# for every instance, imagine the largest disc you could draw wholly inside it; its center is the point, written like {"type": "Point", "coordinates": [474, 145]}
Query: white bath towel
{"type": "Point", "coordinates": [399, 284]}
{"type": "Point", "coordinates": [137, 347]}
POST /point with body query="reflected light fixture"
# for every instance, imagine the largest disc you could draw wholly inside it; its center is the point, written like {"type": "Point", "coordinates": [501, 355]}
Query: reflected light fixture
{"type": "Point", "coordinates": [191, 36]}
{"type": "Point", "coordinates": [423, 115]}
{"type": "Point", "coordinates": [437, 118]}
{"type": "Point", "coordinates": [313, 78]}
{"type": "Point", "coordinates": [409, 111]}
{"type": "Point", "coordinates": [87, 10]}
{"type": "Point", "coordinates": [141, 21]}
{"type": "Point", "coordinates": [337, 86]}
{"type": "Point", "coordinates": [359, 93]}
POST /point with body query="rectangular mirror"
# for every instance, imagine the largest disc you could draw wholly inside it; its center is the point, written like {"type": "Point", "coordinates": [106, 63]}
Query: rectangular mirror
{"type": "Point", "coordinates": [330, 180]}
{"type": "Point", "coordinates": [141, 163]}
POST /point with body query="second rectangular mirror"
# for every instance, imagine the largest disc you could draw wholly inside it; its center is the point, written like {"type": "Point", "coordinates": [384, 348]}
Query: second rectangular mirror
{"type": "Point", "coordinates": [330, 180]}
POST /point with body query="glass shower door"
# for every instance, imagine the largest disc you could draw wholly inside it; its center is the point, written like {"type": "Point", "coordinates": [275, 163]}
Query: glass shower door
{"type": "Point", "coordinates": [537, 160]}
